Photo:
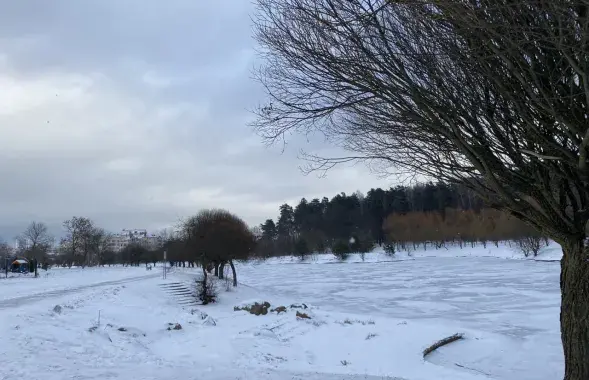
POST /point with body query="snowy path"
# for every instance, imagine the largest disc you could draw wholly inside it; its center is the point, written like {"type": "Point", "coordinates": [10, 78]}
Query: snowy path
{"type": "Point", "coordinates": [35, 297]}
{"type": "Point", "coordinates": [31, 295]}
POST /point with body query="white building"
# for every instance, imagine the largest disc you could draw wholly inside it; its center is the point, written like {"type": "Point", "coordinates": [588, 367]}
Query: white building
{"type": "Point", "coordinates": [118, 242]}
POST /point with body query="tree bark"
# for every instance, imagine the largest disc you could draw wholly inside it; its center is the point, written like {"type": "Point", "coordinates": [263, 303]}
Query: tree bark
{"type": "Point", "coordinates": [216, 269]}
{"type": "Point", "coordinates": [574, 310]}
{"type": "Point", "coordinates": [234, 273]}
{"type": "Point", "coordinates": [221, 269]}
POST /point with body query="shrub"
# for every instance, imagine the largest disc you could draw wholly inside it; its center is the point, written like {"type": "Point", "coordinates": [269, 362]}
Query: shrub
{"type": "Point", "coordinates": [529, 245]}
{"type": "Point", "coordinates": [206, 290]}
{"type": "Point", "coordinates": [320, 246]}
{"type": "Point", "coordinates": [341, 249]}
{"type": "Point", "coordinates": [362, 245]}
{"type": "Point", "coordinates": [389, 248]}
{"type": "Point", "coordinates": [301, 248]}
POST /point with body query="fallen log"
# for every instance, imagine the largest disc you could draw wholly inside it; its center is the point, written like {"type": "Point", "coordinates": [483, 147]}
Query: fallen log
{"type": "Point", "coordinates": [443, 342]}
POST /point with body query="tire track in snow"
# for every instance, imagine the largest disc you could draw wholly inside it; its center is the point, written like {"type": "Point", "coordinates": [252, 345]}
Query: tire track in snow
{"type": "Point", "coordinates": [32, 298]}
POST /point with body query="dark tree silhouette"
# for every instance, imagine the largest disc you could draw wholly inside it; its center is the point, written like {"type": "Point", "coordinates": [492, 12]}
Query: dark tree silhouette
{"type": "Point", "coordinates": [82, 240]}
{"type": "Point", "coordinates": [320, 225]}
{"type": "Point", "coordinates": [36, 242]}
{"type": "Point", "coordinates": [490, 94]}
{"type": "Point", "coordinates": [215, 237]}
{"type": "Point", "coordinates": [134, 254]}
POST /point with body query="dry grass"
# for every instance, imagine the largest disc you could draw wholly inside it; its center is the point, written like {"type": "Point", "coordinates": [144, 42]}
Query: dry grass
{"type": "Point", "coordinates": [348, 321]}
{"type": "Point", "coordinates": [371, 335]}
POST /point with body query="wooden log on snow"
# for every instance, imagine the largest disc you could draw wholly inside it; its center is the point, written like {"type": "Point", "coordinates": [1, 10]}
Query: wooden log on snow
{"type": "Point", "coordinates": [443, 342]}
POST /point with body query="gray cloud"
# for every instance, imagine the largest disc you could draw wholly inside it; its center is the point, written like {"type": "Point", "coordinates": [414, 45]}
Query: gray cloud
{"type": "Point", "coordinates": [134, 113]}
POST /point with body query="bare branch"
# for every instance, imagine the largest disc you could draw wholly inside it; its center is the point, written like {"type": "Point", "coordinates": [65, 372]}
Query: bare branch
{"type": "Point", "coordinates": [489, 94]}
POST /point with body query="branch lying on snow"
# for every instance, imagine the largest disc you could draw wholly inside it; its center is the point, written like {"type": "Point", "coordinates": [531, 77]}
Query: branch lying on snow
{"type": "Point", "coordinates": [443, 342]}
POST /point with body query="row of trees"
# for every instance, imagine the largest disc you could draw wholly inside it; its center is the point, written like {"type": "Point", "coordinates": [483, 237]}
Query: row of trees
{"type": "Point", "coordinates": [211, 239]}
{"type": "Point", "coordinates": [454, 226]}
{"type": "Point", "coordinates": [404, 214]}
{"type": "Point", "coordinates": [83, 244]}
{"type": "Point", "coordinates": [34, 244]}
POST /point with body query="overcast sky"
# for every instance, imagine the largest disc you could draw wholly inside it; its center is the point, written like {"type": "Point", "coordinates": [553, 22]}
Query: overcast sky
{"type": "Point", "coordinates": [134, 113]}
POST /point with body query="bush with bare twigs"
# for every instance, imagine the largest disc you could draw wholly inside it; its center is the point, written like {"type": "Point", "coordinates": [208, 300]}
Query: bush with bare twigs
{"type": "Point", "coordinates": [206, 289]}
{"type": "Point", "coordinates": [530, 245]}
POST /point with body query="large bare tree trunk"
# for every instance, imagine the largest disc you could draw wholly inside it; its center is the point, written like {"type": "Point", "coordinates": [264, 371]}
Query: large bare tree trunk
{"type": "Point", "coordinates": [574, 311]}
{"type": "Point", "coordinates": [234, 273]}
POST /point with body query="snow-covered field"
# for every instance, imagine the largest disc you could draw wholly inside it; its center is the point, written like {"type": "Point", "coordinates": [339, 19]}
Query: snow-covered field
{"type": "Point", "coordinates": [60, 280]}
{"type": "Point", "coordinates": [369, 320]}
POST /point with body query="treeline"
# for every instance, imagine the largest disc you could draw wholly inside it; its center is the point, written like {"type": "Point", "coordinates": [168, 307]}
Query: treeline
{"type": "Point", "coordinates": [212, 239]}
{"type": "Point", "coordinates": [454, 226]}
{"type": "Point", "coordinates": [399, 218]}
{"type": "Point", "coordinates": [402, 216]}
{"type": "Point", "coordinates": [84, 244]}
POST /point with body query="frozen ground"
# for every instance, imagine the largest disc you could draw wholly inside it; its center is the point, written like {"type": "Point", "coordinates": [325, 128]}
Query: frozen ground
{"type": "Point", "coordinates": [368, 321]}
{"type": "Point", "coordinates": [516, 302]}
{"type": "Point", "coordinates": [57, 280]}
{"type": "Point", "coordinates": [504, 251]}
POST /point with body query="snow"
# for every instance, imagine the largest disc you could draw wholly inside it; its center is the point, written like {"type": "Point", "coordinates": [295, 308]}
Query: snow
{"type": "Point", "coordinates": [504, 250]}
{"type": "Point", "coordinates": [368, 321]}
{"type": "Point", "coordinates": [61, 279]}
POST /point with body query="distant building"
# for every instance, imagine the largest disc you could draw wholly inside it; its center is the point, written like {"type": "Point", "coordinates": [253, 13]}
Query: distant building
{"type": "Point", "coordinates": [117, 242]}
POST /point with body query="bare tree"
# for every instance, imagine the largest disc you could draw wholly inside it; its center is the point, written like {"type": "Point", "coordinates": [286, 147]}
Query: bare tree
{"type": "Point", "coordinates": [6, 253]}
{"type": "Point", "coordinates": [134, 253]}
{"type": "Point", "coordinates": [529, 245]}
{"type": "Point", "coordinates": [99, 245]}
{"type": "Point", "coordinates": [5, 249]}
{"type": "Point", "coordinates": [81, 239]}
{"type": "Point", "coordinates": [493, 95]}
{"type": "Point", "coordinates": [65, 252]}
{"type": "Point", "coordinates": [165, 239]}
{"type": "Point", "coordinates": [35, 242]}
